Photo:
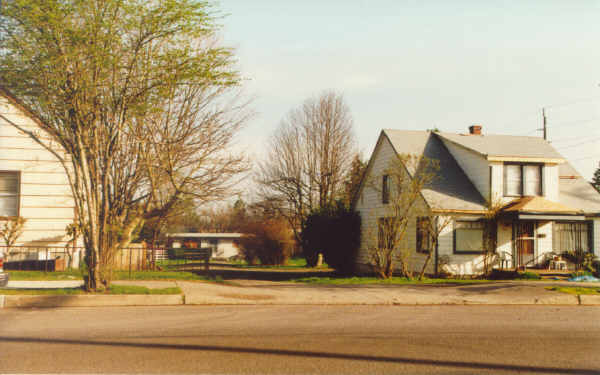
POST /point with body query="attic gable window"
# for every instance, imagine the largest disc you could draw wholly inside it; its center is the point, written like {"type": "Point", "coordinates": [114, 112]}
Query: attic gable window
{"type": "Point", "coordinates": [522, 180]}
{"type": "Point", "coordinates": [9, 194]}
{"type": "Point", "coordinates": [385, 189]}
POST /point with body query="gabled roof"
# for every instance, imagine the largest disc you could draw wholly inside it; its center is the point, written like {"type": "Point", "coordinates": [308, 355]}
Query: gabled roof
{"type": "Point", "coordinates": [452, 190]}
{"type": "Point", "coordinates": [506, 147]}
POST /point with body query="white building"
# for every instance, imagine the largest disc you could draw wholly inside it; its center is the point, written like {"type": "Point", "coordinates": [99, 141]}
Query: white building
{"type": "Point", "coordinates": [224, 245]}
{"type": "Point", "coordinates": [548, 207]}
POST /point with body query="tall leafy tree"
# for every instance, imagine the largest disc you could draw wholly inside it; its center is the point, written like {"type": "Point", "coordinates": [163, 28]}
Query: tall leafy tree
{"type": "Point", "coordinates": [135, 99]}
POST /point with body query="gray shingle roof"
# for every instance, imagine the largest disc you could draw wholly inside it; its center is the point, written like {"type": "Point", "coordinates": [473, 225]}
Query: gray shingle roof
{"type": "Point", "coordinates": [505, 145]}
{"type": "Point", "coordinates": [576, 192]}
{"type": "Point", "coordinates": [452, 190]}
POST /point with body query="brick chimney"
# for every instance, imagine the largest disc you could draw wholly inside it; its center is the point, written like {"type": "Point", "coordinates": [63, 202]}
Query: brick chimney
{"type": "Point", "coordinates": [475, 129]}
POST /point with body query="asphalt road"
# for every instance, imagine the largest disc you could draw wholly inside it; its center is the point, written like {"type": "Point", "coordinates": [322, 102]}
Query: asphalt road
{"type": "Point", "coordinates": [302, 340]}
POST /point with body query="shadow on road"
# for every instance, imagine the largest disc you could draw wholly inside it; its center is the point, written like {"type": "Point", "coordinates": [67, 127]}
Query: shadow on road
{"type": "Point", "coordinates": [310, 354]}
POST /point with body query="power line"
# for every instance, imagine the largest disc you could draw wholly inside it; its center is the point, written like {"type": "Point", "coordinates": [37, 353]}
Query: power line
{"type": "Point", "coordinates": [580, 143]}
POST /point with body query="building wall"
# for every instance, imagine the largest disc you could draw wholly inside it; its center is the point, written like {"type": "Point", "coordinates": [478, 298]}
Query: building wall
{"type": "Point", "coordinates": [597, 237]}
{"type": "Point", "coordinates": [45, 198]}
{"type": "Point", "coordinates": [370, 207]}
{"type": "Point", "coordinates": [475, 166]}
{"type": "Point", "coordinates": [543, 238]}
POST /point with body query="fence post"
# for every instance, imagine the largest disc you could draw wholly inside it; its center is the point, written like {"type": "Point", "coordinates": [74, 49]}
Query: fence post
{"type": "Point", "coordinates": [130, 264]}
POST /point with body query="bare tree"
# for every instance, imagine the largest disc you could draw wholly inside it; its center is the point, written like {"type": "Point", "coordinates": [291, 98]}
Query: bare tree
{"type": "Point", "coordinates": [135, 100]}
{"type": "Point", "coordinates": [11, 229]}
{"type": "Point", "coordinates": [308, 158]}
{"type": "Point", "coordinates": [400, 186]}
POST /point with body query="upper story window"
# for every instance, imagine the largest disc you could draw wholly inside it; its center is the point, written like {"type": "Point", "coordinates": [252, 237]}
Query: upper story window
{"type": "Point", "coordinates": [385, 189]}
{"type": "Point", "coordinates": [522, 180]}
{"type": "Point", "coordinates": [9, 193]}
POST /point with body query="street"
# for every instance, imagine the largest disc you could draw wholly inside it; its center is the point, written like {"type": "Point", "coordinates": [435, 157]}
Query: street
{"type": "Point", "coordinates": [302, 339]}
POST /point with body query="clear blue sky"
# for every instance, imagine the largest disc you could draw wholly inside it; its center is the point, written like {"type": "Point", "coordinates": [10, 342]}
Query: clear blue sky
{"type": "Point", "coordinates": [424, 64]}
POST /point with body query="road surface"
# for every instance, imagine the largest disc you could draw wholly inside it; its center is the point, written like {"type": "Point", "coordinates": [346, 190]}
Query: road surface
{"type": "Point", "coordinates": [302, 340]}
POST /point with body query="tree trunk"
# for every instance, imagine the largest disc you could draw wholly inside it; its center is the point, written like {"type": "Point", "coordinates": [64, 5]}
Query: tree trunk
{"type": "Point", "coordinates": [425, 264]}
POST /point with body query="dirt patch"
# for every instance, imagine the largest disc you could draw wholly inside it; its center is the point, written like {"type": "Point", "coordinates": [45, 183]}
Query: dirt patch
{"type": "Point", "coordinates": [250, 297]}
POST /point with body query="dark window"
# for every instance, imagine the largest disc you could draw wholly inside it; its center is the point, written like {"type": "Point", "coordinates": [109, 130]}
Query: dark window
{"type": "Point", "coordinates": [468, 236]}
{"type": "Point", "coordinates": [9, 193]}
{"type": "Point", "coordinates": [571, 236]}
{"type": "Point", "coordinates": [522, 179]}
{"type": "Point", "coordinates": [385, 189]}
{"type": "Point", "coordinates": [423, 235]}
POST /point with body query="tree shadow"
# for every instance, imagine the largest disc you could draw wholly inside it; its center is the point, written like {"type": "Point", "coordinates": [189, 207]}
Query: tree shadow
{"type": "Point", "coordinates": [311, 354]}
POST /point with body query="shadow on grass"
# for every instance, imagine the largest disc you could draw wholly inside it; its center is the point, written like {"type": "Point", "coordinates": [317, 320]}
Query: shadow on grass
{"type": "Point", "coordinates": [311, 354]}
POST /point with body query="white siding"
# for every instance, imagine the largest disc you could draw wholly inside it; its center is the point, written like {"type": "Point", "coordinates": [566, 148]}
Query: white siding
{"type": "Point", "coordinates": [45, 198]}
{"type": "Point", "coordinates": [597, 237]}
{"type": "Point", "coordinates": [505, 245]}
{"type": "Point", "coordinates": [543, 239]}
{"type": "Point", "coordinates": [370, 208]}
{"type": "Point", "coordinates": [475, 166]}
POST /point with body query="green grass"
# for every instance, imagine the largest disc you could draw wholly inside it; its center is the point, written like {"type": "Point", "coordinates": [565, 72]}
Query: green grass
{"type": "Point", "coordinates": [114, 289]}
{"type": "Point", "coordinates": [374, 280]}
{"type": "Point", "coordinates": [118, 275]}
{"type": "Point", "coordinates": [576, 290]}
{"type": "Point", "coordinates": [41, 275]}
{"type": "Point", "coordinates": [291, 264]}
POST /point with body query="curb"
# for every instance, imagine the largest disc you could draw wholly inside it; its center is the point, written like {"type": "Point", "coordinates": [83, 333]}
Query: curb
{"type": "Point", "coordinates": [23, 301]}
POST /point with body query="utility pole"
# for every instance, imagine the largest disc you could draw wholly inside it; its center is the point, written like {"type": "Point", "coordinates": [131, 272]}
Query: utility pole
{"type": "Point", "coordinates": [544, 127]}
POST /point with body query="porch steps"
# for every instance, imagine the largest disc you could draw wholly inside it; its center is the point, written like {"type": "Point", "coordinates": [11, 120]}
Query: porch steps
{"type": "Point", "coordinates": [550, 274]}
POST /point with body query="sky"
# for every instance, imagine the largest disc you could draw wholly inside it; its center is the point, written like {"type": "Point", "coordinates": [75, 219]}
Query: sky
{"type": "Point", "coordinates": [418, 65]}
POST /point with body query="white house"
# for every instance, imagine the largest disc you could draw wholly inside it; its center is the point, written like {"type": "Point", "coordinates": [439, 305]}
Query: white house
{"type": "Point", "coordinates": [33, 183]}
{"type": "Point", "coordinates": [224, 245]}
{"type": "Point", "coordinates": [547, 206]}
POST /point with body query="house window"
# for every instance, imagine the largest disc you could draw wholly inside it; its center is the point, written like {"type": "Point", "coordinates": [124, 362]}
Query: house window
{"type": "Point", "coordinates": [571, 236]}
{"type": "Point", "coordinates": [468, 236]}
{"type": "Point", "coordinates": [522, 180]}
{"type": "Point", "coordinates": [9, 194]}
{"type": "Point", "coordinates": [385, 189]}
{"type": "Point", "coordinates": [423, 237]}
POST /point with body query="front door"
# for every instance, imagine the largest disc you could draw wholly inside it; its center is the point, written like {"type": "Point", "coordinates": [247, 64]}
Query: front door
{"type": "Point", "coordinates": [525, 240]}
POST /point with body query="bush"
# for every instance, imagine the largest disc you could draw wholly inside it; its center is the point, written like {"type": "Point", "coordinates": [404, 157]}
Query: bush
{"type": "Point", "coordinates": [269, 242]}
{"type": "Point", "coordinates": [334, 232]}
{"type": "Point", "coordinates": [582, 259]}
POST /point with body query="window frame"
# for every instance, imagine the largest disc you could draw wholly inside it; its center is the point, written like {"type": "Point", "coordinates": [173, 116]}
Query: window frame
{"type": "Point", "coordinates": [467, 252]}
{"type": "Point", "coordinates": [522, 185]}
{"type": "Point", "coordinates": [17, 194]}
{"type": "Point", "coordinates": [589, 237]}
{"type": "Point", "coordinates": [423, 233]}
{"type": "Point", "coordinates": [385, 189]}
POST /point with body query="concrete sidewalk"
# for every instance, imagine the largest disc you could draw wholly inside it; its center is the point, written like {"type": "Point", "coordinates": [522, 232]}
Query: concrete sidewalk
{"type": "Point", "coordinates": [252, 292]}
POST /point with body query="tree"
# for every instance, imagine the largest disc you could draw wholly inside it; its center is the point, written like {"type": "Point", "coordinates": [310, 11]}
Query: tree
{"type": "Point", "coordinates": [353, 179]}
{"type": "Point", "coordinates": [432, 226]}
{"type": "Point", "coordinates": [11, 229]}
{"type": "Point", "coordinates": [136, 100]}
{"type": "Point", "coordinates": [400, 186]}
{"type": "Point", "coordinates": [596, 178]}
{"type": "Point", "coordinates": [307, 158]}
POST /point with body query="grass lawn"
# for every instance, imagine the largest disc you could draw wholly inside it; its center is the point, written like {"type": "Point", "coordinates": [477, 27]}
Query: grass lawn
{"type": "Point", "coordinates": [375, 280]}
{"type": "Point", "coordinates": [118, 275]}
{"type": "Point", "coordinates": [291, 264]}
{"type": "Point", "coordinates": [577, 290]}
{"type": "Point", "coordinates": [114, 289]}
